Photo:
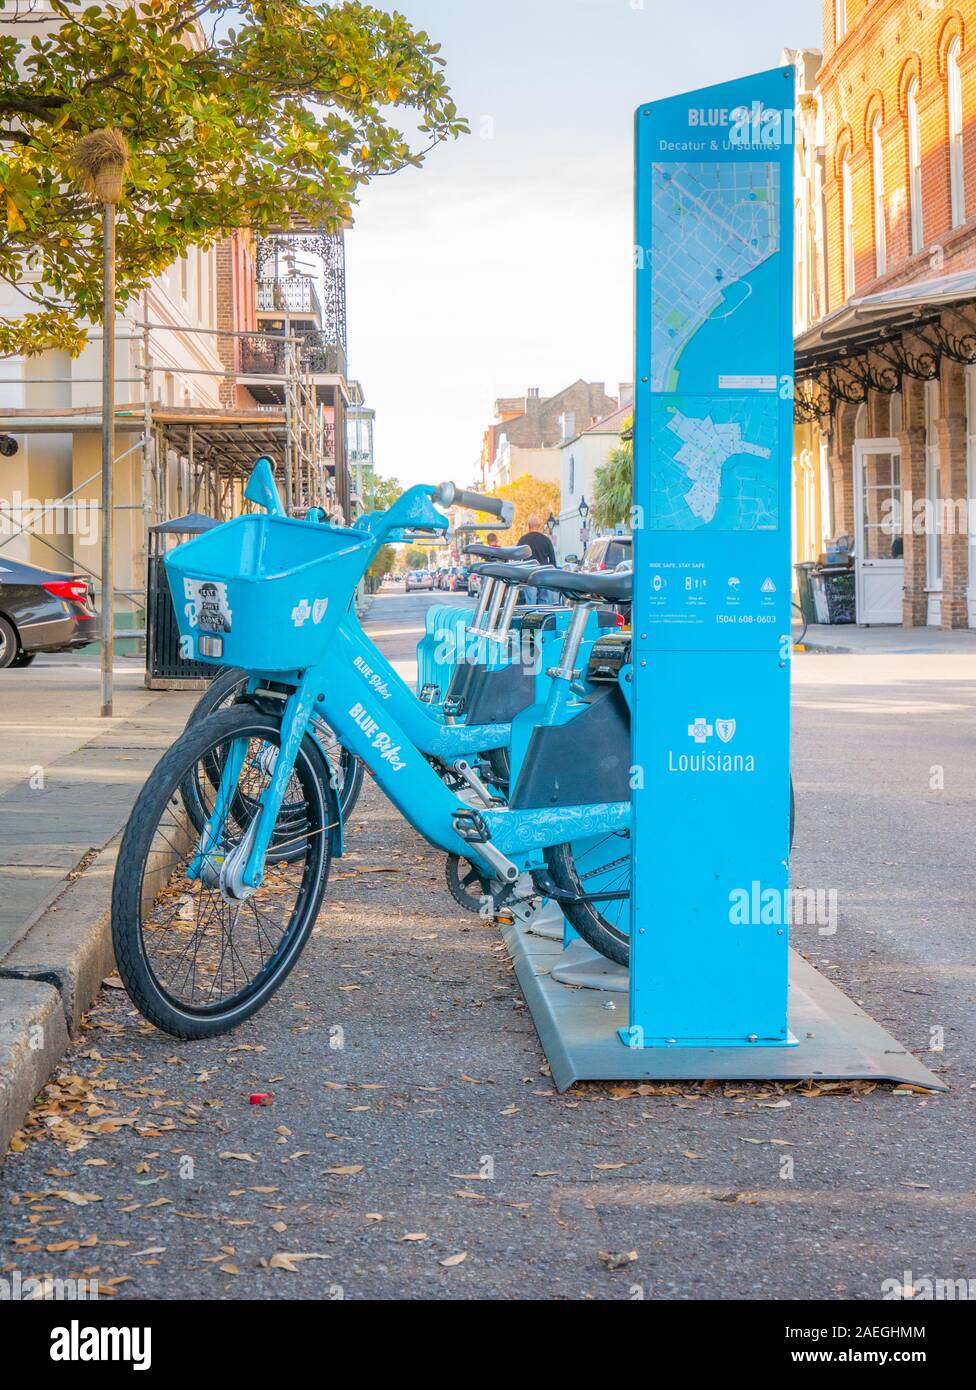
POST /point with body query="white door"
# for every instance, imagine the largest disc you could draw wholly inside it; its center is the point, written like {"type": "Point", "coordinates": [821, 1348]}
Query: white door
{"type": "Point", "coordinates": [877, 545]}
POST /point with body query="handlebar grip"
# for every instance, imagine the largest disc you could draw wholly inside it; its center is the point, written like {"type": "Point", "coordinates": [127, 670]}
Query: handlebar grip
{"type": "Point", "coordinates": [452, 496]}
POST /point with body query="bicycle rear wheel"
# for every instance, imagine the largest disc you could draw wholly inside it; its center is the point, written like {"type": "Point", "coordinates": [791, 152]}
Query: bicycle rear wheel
{"type": "Point", "coordinates": [598, 870]}
{"type": "Point", "coordinates": [228, 689]}
{"type": "Point", "coordinates": [591, 868]}
{"type": "Point", "coordinates": [195, 961]}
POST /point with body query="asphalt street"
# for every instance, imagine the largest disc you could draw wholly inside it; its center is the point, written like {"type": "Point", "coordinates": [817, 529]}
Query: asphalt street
{"type": "Point", "coordinates": [415, 1147]}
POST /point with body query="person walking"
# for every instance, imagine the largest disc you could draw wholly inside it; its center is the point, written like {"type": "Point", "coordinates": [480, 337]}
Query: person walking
{"type": "Point", "coordinates": [543, 552]}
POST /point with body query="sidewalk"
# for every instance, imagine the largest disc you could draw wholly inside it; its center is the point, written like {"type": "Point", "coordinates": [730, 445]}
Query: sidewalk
{"type": "Point", "coordinates": [414, 1145]}
{"type": "Point", "coordinates": [889, 641]}
{"type": "Point", "coordinates": [68, 780]}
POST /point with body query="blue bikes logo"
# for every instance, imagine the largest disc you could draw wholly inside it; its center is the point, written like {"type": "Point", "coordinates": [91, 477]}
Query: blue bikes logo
{"type": "Point", "coordinates": [384, 745]}
{"type": "Point", "coordinates": [377, 682]}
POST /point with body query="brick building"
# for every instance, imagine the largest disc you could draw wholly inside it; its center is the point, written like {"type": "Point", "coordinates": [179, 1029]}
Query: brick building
{"type": "Point", "coordinates": [235, 308]}
{"type": "Point", "coordinates": [887, 373]}
{"type": "Point", "coordinates": [526, 428]}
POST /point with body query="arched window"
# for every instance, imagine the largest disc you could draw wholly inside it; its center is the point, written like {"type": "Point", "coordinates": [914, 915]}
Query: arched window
{"type": "Point", "coordinates": [933, 487]}
{"type": "Point", "coordinates": [847, 213]}
{"type": "Point", "coordinates": [878, 188]}
{"type": "Point", "coordinates": [840, 19]}
{"type": "Point", "coordinates": [915, 168]}
{"type": "Point", "coordinates": [957, 190]}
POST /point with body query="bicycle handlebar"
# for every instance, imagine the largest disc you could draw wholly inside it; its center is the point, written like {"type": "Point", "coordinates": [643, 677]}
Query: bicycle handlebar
{"type": "Point", "coordinates": [450, 496]}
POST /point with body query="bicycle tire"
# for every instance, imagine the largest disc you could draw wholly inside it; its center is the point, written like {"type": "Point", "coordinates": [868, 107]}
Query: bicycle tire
{"type": "Point", "coordinates": [798, 641]}
{"type": "Point", "coordinates": [161, 790]}
{"type": "Point", "coordinates": [586, 918]}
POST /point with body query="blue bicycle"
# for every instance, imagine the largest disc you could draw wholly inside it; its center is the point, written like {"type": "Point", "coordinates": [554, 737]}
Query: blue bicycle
{"type": "Point", "coordinates": [208, 918]}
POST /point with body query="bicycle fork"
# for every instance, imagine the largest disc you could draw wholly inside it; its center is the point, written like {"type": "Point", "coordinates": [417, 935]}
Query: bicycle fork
{"type": "Point", "coordinates": [241, 871]}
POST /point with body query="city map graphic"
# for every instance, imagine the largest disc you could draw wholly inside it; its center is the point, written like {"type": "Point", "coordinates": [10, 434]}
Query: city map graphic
{"type": "Point", "coordinates": [715, 240]}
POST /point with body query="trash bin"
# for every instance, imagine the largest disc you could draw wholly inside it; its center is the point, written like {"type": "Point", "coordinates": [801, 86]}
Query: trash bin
{"type": "Point", "coordinates": [166, 667]}
{"type": "Point", "coordinates": [804, 571]}
{"type": "Point", "coordinates": [840, 596]}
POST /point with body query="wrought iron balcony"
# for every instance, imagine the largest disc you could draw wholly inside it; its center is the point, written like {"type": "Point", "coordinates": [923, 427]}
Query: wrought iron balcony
{"type": "Point", "coordinates": [263, 354]}
{"type": "Point", "coordinates": [297, 293]}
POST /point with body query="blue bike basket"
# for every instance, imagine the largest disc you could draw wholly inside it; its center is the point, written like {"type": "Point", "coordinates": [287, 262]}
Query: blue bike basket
{"type": "Point", "coordinates": [264, 592]}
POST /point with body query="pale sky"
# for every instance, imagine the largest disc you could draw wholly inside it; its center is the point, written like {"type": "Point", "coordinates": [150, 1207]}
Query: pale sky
{"type": "Point", "coordinates": [505, 262]}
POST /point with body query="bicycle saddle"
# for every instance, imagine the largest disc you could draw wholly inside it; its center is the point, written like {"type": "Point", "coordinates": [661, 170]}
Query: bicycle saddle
{"type": "Point", "coordinates": [610, 585]}
{"type": "Point", "coordinates": [511, 574]}
{"type": "Point", "coordinates": [498, 552]}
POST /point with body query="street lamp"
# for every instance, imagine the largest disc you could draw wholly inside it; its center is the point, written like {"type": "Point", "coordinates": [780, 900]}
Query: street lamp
{"type": "Point", "coordinates": [551, 523]}
{"type": "Point", "coordinates": [584, 512]}
{"type": "Point", "coordinates": [99, 161]}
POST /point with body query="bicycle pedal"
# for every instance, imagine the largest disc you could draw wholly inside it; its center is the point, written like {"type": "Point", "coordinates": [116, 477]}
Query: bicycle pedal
{"type": "Point", "coordinates": [471, 827]}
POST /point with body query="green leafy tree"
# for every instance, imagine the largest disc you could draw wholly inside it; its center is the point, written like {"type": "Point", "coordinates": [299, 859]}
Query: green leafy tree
{"type": "Point", "coordinates": [530, 496]}
{"type": "Point", "coordinates": [417, 558]}
{"type": "Point", "coordinates": [378, 495]}
{"type": "Point", "coordinates": [242, 114]}
{"type": "Point", "coordinates": [613, 487]}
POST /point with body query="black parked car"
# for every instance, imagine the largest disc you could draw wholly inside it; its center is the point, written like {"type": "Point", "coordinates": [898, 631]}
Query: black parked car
{"type": "Point", "coordinates": [43, 611]}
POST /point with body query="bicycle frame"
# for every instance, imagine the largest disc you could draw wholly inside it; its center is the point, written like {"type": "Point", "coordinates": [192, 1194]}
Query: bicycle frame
{"type": "Point", "coordinates": [390, 732]}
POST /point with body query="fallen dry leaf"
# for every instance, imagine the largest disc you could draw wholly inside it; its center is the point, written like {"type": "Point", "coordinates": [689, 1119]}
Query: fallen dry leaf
{"type": "Point", "coordinates": [618, 1260]}
{"type": "Point", "coordinates": [290, 1260]}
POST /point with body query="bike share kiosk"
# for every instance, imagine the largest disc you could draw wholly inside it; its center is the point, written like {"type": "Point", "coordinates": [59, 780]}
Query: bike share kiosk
{"type": "Point", "coordinates": [714, 990]}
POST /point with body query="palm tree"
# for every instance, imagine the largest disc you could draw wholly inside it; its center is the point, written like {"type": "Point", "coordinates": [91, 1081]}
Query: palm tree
{"type": "Point", "coordinates": [614, 488]}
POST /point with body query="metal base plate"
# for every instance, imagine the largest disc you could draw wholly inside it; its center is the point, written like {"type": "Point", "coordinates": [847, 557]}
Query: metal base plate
{"type": "Point", "coordinates": [587, 969]}
{"type": "Point", "coordinates": [836, 1040]}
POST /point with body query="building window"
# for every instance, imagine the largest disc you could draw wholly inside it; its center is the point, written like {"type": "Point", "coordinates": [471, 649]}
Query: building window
{"type": "Point", "coordinates": [826, 493]}
{"type": "Point", "coordinates": [877, 177]}
{"type": "Point", "coordinates": [957, 191]}
{"type": "Point", "coordinates": [840, 19]}
{"type": "Point", "coordinates": [894, 414]}
{"type": "Point", "coordinates": [971, 469]}
{"type": "Point", "coordinates": [915, 168]}
{"type": "Point", "coordinates": [933, 488]}
{"type": "Point", "coordinates": [201, 269]}
{"type": "Point", "coordinates": [184, 277]}
{"type": "Point", "coordinates": [572, 475]}
{"type": "Point", "coordinates": [847, 213]}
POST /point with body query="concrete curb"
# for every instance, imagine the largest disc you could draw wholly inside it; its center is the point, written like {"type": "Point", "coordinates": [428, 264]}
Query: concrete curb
{"type": "Point", "coordinates": [70, 945]}
{"type": "Point", "coordinates": [47, 982]}
{"type": "Point", "coordinates": [63, 950]}
{"type": "Point", "coordinates": [33, 1038]}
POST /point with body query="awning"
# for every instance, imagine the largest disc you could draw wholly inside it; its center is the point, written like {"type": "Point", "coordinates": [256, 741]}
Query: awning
{"type": "Point", "coordinates": [874, 316]}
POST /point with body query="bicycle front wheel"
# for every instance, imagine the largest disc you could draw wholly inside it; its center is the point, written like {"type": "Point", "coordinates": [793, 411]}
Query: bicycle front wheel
{"type": "Point", "coordinates": [196, 961]}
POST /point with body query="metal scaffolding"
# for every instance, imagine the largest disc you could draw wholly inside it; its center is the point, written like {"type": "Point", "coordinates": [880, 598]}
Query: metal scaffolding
{"type": "Point", "coordinates": [200, 456]}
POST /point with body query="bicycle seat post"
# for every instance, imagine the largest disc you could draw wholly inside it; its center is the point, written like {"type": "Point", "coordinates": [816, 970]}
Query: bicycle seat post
{"type": "Point", "coordinates": [566, 670]}
{"type": "Point", "coordinates": [500, 635]}
{"type": "Point", "coordinates": [477, 626]}
{"type": "Point", "coordinates": [494, 607]}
